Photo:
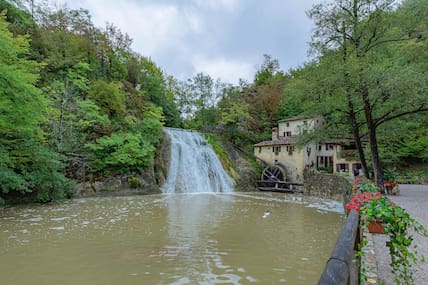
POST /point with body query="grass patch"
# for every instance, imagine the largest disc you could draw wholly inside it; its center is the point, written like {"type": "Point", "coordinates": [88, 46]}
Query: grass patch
{"type": "Point", "coordinates": [221, 153]}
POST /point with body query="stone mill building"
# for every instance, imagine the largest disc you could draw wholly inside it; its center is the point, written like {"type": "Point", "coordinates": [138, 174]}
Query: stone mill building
{"type": "Point", "coordinates": [334, 156]}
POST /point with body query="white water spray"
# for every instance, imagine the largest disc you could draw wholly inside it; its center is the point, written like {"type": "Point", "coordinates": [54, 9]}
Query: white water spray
{"type": "Point", "coordinates": [194, 167]}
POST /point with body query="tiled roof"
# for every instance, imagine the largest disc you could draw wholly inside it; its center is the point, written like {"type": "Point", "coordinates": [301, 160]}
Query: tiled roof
{"type": "Point", "coordinates": [295, 118]}
{"type": "Point", "coordinates": [281, 141]}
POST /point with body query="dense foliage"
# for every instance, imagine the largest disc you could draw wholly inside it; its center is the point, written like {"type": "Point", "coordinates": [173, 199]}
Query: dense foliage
{"type": "Point", "coordinates": [76, 102]}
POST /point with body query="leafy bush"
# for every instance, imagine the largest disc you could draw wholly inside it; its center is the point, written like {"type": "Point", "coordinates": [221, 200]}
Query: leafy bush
{"type": "Point", "coordinates": [134, 182]}
{"type": "Point", "coordinates": [368, 187]}
{"type": "Point", "coordinates": [122, 152]}
{"type": "Point", "coordinates": [109, 97]}
{"type": "Point", "coordinates": [33, 170]}
{"type": "Point", "coordinates": [131, 151]}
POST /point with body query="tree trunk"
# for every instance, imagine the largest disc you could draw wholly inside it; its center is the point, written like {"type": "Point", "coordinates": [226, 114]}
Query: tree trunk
{"type": "Point", "coordinates": [352, 115]}
{"type": "Point", "coordinates": [60, 123]}
{"type": "Point", "coordinates": [377, 168]}
{"type": "Point", "coordinates": [371, 127]}
{"type": "Point", "coordinates": [356, 133]}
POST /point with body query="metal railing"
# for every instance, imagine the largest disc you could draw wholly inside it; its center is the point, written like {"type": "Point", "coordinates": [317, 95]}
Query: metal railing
{"type": "Point", "coordinates": [340, 268]}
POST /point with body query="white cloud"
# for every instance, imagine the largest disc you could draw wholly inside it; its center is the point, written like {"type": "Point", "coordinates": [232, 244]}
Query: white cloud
{"type": "Point", "coordinates": [224, 38]}
{"type": "Point", "coordinates": [228, 70]}
{"type": "Point", "coordinates": [227, 5]}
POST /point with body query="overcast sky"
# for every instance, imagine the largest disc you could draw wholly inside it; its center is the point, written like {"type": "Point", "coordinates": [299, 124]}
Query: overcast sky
{"type": "Point", "coordinates": [224, 38]}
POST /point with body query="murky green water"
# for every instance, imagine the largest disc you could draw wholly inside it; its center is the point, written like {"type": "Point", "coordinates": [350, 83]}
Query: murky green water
{"type": "Point", "coordinates": [169, 239]}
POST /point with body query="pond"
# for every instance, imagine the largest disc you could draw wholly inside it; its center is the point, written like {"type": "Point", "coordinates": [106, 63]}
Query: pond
{"type": "Point", "coordinates": [236, 238]}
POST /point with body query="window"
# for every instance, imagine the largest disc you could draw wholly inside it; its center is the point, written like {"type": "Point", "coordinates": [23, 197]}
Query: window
{"type": "Point", "coordinates": [273, 149]}
{"type": "Point", "coordinates": [284, 134]}
{"type": "Point", "coordinates": [305, 123]}
{"type": "Point", "coordinates": [356, 166]}
{"type": "Point", "coordinates": [319, 147]}
{"type": "Point", "coordinates": [287, 124]}
{"type": "Point", "coordinates": [288, 134]}
{"type": "Point", "coordinates": [351, 146]}
{"type": "Point", "coordinates": [325, 161]}
{"type": "Point", "coordinates": [342, 167]}
{"type": "Point", "coordinates": [260, 149]}
{"type": "Point", "coordinates": [277, 149]}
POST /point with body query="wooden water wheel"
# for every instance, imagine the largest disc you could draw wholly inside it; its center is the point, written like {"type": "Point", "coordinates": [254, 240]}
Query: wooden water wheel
{"type": "Point", "coordinates": [273, 173]}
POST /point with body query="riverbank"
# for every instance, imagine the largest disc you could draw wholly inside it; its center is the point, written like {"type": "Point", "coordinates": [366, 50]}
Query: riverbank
{"type": "Point", "coordinates": [414, 199]}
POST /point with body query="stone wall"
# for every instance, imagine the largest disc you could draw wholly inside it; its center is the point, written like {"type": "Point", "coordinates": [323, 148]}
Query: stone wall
{"type": "Point", "coordinates": [327, 186]}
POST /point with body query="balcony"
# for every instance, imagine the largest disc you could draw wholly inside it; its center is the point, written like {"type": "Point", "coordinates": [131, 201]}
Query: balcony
{"type": "Point", "coordinates": [348, 154]}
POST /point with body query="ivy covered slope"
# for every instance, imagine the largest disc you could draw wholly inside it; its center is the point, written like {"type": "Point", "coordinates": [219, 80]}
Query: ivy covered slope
{"type": "Point", "coordinates": [76, 103]}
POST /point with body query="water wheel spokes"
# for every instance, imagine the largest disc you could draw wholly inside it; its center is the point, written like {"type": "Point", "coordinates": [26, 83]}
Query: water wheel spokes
{"type": "Point", "coordinates": [272, 173]}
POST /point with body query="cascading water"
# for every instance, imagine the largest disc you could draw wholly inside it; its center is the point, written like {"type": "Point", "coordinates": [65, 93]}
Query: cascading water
{"type": "Point", "coordinates": [194, 167]}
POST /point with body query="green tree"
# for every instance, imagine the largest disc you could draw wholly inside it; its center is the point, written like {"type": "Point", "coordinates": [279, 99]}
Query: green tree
{"type": "Point", "coordinates": [131, 151]}
{"type": "Point", "coordinates": [109, 97]}
{"type": "Point", "coordinates": [63, 93]}
{"type": "Point", "coordinates": [368, 37]}
{"type": "Point", "coordinates": [26, 164]}
{"type": "Point", "coordinates": [157, 88]}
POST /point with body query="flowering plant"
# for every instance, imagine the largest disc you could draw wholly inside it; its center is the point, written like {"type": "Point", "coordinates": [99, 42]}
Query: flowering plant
{"type": "Point", "coordinates": [398, 223]}
{"type": "Point", "coordinates": [358, 200]}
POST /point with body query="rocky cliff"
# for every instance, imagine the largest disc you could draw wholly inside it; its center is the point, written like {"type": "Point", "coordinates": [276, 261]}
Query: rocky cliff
{"type": "Point", "coordinates": [243, 173]}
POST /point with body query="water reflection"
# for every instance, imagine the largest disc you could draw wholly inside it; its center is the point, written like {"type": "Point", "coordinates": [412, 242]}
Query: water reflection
{"type": "Point", "coordinates": [169, 239]}
{"type": "Point", "coordinates": [191, 219]}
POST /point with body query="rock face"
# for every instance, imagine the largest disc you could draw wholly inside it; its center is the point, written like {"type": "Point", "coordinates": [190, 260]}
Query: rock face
{"type": "Point", "coordinates": [122, 185]}
{"type": "Point", "coordinates": [148, 182]}
{"type": "Point", "coordinates": [244, 174]}
{"type": "Point", "coordinates": [326, 186]}
{"type": "Point", "coordinates": [162, 160]}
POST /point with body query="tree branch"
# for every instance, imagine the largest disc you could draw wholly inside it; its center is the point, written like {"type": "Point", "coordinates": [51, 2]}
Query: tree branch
{"type": "Point", "coordinates": [385, 117]}
{"type": "Point", "coordinates": [368, 48]}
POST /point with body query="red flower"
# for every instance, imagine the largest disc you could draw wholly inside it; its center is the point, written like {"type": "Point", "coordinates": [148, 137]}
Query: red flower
{"type": "Point", "coordinates": [358, 200]}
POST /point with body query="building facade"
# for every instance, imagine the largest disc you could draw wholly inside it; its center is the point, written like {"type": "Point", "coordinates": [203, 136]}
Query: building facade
{"type": "Point", "coordinates": [335, 156]}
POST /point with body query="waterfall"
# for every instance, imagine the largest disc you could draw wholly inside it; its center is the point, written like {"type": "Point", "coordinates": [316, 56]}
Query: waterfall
{"type": "Point", "coordinates": [194, 167]}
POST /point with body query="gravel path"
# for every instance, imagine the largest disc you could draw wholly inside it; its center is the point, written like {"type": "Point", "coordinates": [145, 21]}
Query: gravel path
{"type": "Point", "coordinates": [413, 198]}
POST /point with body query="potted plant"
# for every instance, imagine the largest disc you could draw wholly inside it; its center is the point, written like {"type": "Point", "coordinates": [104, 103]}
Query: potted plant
{"type": "Point", "coordinates": [375, 208]}
{"type": "Point", "coordinates": [400, 227]}
{"type": "Point", "coordinates": [392, 187]}
{"type": "Point", "coordinates": [391, 184]}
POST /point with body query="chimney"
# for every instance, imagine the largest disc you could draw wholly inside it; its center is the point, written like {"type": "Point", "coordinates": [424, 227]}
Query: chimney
{"type": "Point", "coordinates": [275, 134]}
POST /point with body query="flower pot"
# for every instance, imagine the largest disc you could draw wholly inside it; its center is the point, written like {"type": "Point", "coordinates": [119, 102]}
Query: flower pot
{"type": "Point", "coordinates": [376, 227]}
{"type": "Point", "coordinates": [389, 189]}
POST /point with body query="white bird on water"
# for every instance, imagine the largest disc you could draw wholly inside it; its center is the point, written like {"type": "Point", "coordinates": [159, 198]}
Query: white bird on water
{"type": "Point", "coordinates": [266, 214]}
